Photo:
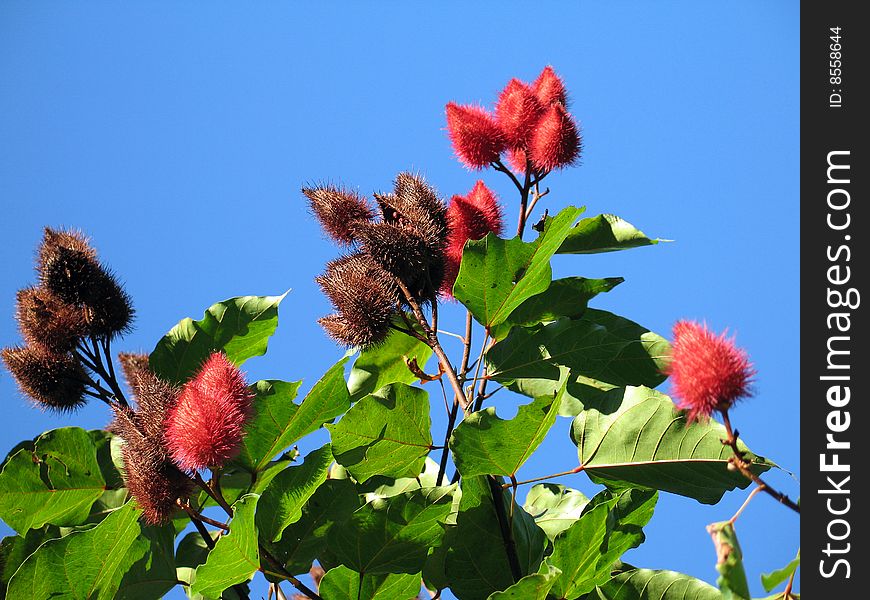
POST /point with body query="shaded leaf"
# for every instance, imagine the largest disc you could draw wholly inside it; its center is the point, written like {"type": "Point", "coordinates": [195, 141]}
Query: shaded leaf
{"type": "Point", "coordinates": [341, 583]}
{"type": "Point", "coordinates": [531, 587]}
{"type": "Point", "coordinates": [393, 535]}
{"type": "Point", "coordinates": [484, 444]}
{"type": "Point", "coordinates": [235, 557]}
{"type": "Point", "coordinates": [600, 346]}
{"type": "Point", "coordinates": [566, 297]}
{"type": "Point", "coordinates": [282, 501]}
{"type": "Point", "coordinates": [603, 233]}
{"type": "Point", "coordinates": [56, 482]}
{"type": "Point", "coordinates": [15, 549]}
{"type": "Point", "coordinates": [386, 433]}
{"type": "Point", "coordinates": [384, 487]}
{"type": "Point", "coordinates": [385, 364]}
{"type": "Point", "coordinates": [240, 327]}
{"type": "Point", "coordinates": [772, 580]}
{"type": "Point", "coordinates": [644, 584]}
{"type": "Point", "coordinates": [554, 507]}
{"type": "Point", "coordinates": [496, 275]}
{"type": "Point", "coordinates": [729, 562]}
{"type": "Point", "coordinates": [637, 437]}
{"type": "Point", "coordinates": [474, 559]}
{"type": "Point", "coordinates": [115, 559]}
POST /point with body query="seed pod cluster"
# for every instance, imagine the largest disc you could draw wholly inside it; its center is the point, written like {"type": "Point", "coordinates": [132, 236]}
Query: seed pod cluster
{"type": "Point", "coordinates": [402, 245]}
{"type": "Point", "coordinates": [531, 125]}
{"type": "Point", "coordinates": [77, 299]}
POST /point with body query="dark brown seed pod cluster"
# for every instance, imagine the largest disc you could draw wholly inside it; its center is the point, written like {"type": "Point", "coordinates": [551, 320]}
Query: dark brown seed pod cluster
{"type": "Point", "coordinates": [401, 247]}
{"type": "Point", "coordinates": [153, 480]}
{"type": "Point", "coordinates": [77, 299]}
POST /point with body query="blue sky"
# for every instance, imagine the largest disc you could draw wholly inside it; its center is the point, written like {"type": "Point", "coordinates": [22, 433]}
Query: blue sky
{"type": "Point", "coordinates": [178, 138]}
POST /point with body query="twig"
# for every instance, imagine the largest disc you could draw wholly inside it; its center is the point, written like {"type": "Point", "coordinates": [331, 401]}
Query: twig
{"type": "Point", "coordinates": [507, 535]}
{"type": "Point", "coordinates": [744, 505]}
{"type": "Point", "coordinates": [544, 478]}
{"type": "Point", "coordinates": [454, 410]}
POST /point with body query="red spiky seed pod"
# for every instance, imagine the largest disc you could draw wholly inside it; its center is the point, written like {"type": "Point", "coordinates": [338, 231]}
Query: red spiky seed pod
{"type": "Point", "coordinates": [516, 159]}
{"type": "Point", "coordinates": [475, 134]}
{"type": "Point", "coordinates": [549, 88]}
{"type": "Point", "coordinates": [337, 209]}
{"type": "Point", "coordinates": [708, 371]}
{"type": "Point", "coordinates": [53, 381]}
{"type": "Point", "coordinates": [205, 426]}
{"type": "Point", "coordinates": [471, 217]}
{"type": "Point", "coordinates": [46, 321]}
{"type": "Point", "coordinates": [517, 111]}
{"type": "Point", "coordinates": [556, 140]}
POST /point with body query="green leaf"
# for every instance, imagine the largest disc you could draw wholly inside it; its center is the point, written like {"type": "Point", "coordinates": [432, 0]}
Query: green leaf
{"type": "Point", "coordinates": [115, 559]}
{"type": "Point", "coordinates": [393, 535]}
{"type": "Point", "coordinates": [603, 233]}
{"type": "Point", "coordinates": [342, 583]}
{"type": "Point", "coordinates": [235, 557]}
{"type": "Point", "coordinates": [729, 562]}
{"type": "Point", "coordinates": [385, 364]}
{"type": "Point", "coordinates": [282, 501]}
{"type": "Point", "coordinates": [600, 346]}
{"type": "Point", "coordinates": [554, 507]}
{"type": "Point", "coordinates": [240, 327]}
{"type": "Point", "coordinates": [484, 444]}
{"type": "Point", "coordinates": [637, 437]}
{"type": "Point", "coordinates": [565, 297]}
{"type": "Point", "coordinates": [475, 561]}
{"type": "Point", "coordinates": [386, 433]}
{"type": "Point", "coordinates": [15, 549]}
{"type": "Point", "coordinates": [772, 580]}
{"type": "Point", "coordinates": [644, 584]}
{"type": "Point", "coordinates": [56, 482]}
{"type": "Point", "coordinates": [279, 422]}
{"type": "Point", "coordinates": [303, 541]}
{"type": "Point", "coordinates": [384, 487]}
{"type": "Point", "coordinates": [531, 587]}
{"type": "Point", "coordinates": [586, 551]}
{"type": "Point", "coordinates": [496, 275]}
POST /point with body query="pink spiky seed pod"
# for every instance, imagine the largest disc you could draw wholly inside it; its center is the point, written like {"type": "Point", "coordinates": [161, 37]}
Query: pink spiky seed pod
{"type": "Point", "coordinates": [205, 427]}
{"type": "Point", "coordinates": [516, 159]}
{"type": "Point", "coordinates": [46, 321]}
{"type": "Point", "coordinates": [54, 381]}
{"type": "Point", "coordinates": [517, 112]}
{"type": "Point", "coordinates": [475, 134]}
{"type": "Point", "coordinates": [555, 142]}
{"type": "Point", "coordinates": [337, 209]}
{"type": "Point", "coordinates": [471, 217]}
{"type": "Point", "coordinates": [708, 371]}
{"type": "Point", "coordinates": [549, 88]}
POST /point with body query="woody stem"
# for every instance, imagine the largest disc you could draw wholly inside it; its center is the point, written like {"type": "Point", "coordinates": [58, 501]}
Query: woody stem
{"type": "Point", "coordinates": [454, 411]}
{"type": "Point", "coordinates": [742, 465]}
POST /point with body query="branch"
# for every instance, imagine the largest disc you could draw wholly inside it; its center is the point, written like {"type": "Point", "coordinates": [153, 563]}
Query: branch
{"type": "Point", "coordinates": [454, 411]}
{"type": "Point", "coordinates": [507, 536]}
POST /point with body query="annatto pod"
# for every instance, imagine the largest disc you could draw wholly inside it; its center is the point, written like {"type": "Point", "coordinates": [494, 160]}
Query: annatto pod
{"type": "Point", "coordinates": [555, 142]}
{"type": "Point", "coordinates": [517, 111]}
{"type": "Point", "coordinates": [46, 321]}
{"type": "Point", "coordinates": [337, 210]}
{"type": "Point", "coordinates": [475, 134]}
{"type": "Point", "coordinates": [55, 381]}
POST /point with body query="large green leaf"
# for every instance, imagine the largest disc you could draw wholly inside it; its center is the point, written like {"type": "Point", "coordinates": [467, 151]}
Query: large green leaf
{"type": "Point", "coordinates": [385, 363]}
{"type": "Point", "coordinates": [531, 587]}
{"type": "Point", "coordinates": [773, 579]}
{"type": "Point", "coordinates": [475, 559]}
{"type": "Point", "coordinates": [56, 482]}
{"type": "Point", "coordinates": [303, 541]}
{"type": "Point", "coordinates": [599, 346]}
{"type": "Point", "coordinates": [393, 535]}
{"type": "Point", "coordinates": [282, 501]}
{"type": "Point", "coordinates": [240, 327]}
{"type": "Point", "coordinates": [115, 559]}
{"type": "Point", "coordinates": [644, 584]}
{"type": "Point", "coordinates": [15, 549]}
{"type": "Point", "coordinates": [341, 583]}
{"type": "Point", "coordinates": [554, 507]}
{"type": "Point", "coordinates": [484, 444]}
{"type": "Point", "coordinates": [384, 487]}
{"type": "Point", "coordinates": [729, 561]}
{"type": "Point", "coordinates": [496, 275]}
{"type": "Point", "coordinates": [387, 433]}
{"type": "Point", "coordinates": [279, 422]}
{"type": "Point", "coordinates": [585, 552]}
{"type": "Point", "coordinates": [566, 297]}
{"type": "Point", "coordinates": [636, 436]}
{"type": "Point", "coordinates": [235, 557]}
{"type": "Point", "coordinates": [603, 233]}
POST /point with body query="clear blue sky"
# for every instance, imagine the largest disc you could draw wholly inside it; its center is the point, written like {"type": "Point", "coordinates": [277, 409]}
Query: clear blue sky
{"type": "Point", "coordinates": [178, 138]}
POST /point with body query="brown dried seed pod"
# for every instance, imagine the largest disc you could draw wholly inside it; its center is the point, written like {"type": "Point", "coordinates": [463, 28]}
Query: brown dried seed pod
{"type": "Point", "coordinates": [46, 321]}
{"type": "Point", "coordinates": [154, 487]}
{"type": "Point", "coordinates": [54, 381]}
{"type": "Point", "coordinates": [132, 364]}
{"type": "Point", "coordinates": [109, 311]}
{"type": "Point", "coordinates": [355, 333]}
{"type": "Point", "coordinates": [337, 209]}
{"type": "Point", "coordinates": [67, 266]}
